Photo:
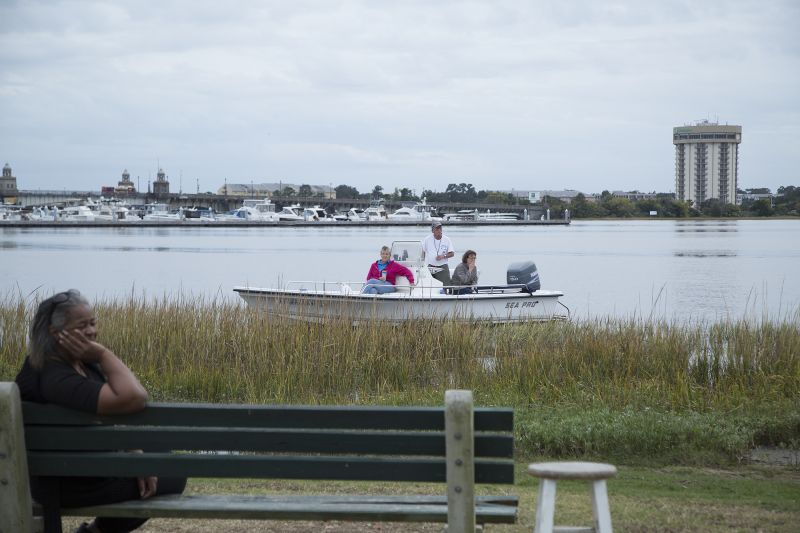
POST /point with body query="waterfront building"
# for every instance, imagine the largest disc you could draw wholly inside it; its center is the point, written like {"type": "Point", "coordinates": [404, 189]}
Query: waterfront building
{"type": "Point", "coordinates": [8, 186]}
{"type": "Point", "coordinates": [268, 190]}
{"type": "Point", "coordinates": [161, 185]}
{"type": "Point", "coordinates": [634, 196]}
{"type": "Point", "coordinates": [566, 196]}
{"type": "Point", "coordinates": [744, 198]}
{"type": "Point", "coordinates": [125, 185]}
{"type": "Point", "coordinates": [706, 162]}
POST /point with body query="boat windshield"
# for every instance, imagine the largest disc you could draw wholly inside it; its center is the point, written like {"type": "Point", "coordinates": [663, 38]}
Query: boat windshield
{"type": "Point", "coordinates": [409, 253]}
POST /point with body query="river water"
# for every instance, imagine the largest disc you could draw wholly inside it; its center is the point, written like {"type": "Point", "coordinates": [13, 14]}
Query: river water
{"type": "Point", "coordinates": [678, 270]}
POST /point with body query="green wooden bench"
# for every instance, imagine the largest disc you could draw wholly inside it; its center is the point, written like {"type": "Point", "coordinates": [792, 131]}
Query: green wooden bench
{"type": "Point", "coordinates": [456, 445]}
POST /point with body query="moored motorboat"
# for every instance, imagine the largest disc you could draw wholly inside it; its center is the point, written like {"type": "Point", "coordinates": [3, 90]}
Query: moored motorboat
{"type": "Point", "coordinates": [252, 209]}
{"type": "Point", "coordinates": [375, 211]}
{"type": "Point", "coordinates": [160, 212]}
{"type": "Point", "coordinates": [415, 212]}
{"type": "Point", "coordinates": [520, 299]}
{"type": "Point", "coordinates": [291, 213]}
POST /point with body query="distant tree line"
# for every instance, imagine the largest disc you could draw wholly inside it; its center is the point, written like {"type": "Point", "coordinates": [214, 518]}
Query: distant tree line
{"type": "Point", "coordinates": [785, 203]}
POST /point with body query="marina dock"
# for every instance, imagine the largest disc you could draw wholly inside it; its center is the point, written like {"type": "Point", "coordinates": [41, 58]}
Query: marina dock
{"type": "Point", "coordinates": [189, 223]}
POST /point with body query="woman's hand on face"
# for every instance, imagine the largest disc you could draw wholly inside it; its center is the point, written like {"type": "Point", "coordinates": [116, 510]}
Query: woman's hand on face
{"type": "Point", "coordinates": [78, 346]}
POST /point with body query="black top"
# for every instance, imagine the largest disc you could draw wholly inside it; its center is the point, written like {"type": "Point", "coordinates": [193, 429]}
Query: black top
{"type": "Point", "coordinates": [61, 384]}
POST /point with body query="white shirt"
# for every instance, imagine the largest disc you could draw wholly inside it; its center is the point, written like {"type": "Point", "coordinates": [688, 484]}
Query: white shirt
{"type": "Point", "coordinates": [433, 248]}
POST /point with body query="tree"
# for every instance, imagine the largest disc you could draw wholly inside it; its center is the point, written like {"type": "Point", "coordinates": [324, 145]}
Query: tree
{"type": "Point", "coordinates": [787, 202]}
{"type": "Point", "coordinates": [346, 191]}
{"type": "Point", "coordinates": [495, 197]}
{"type": "Point", "coordinates": [462, 192]}
{"type": "Point", "coordinates": [619, 207]}
{"type": "Point", "coordinates": [305, 190]}
{"type": "Point", "coordinates": [407, 194]}
{"type": "Point", "coordinates": [287, 191]}
{"type": "Point", "coordinates": [377, 192]}
{"type": "Point", "coordinates": [713, 207]}
{"type": "Point", "coordinates": [762, 208]}
{"type": "Point", "coordinates": [581, 208]}
{"type": "Point", "coordinates": [675, 208]}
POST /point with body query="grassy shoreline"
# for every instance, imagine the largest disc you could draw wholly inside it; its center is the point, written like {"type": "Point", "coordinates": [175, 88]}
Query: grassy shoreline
{"type": "Point", "coordinates": [644, 392]}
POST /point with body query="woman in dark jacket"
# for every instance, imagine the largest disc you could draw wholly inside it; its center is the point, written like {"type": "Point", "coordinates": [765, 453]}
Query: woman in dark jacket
{"type": "Point", "coordinates": [466, 272]}
{"type": "Point", "coordinates": [68, 367]}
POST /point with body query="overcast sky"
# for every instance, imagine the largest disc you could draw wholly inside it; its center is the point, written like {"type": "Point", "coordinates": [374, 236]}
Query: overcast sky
{"type": "Point", "coordinates": [502, 94]}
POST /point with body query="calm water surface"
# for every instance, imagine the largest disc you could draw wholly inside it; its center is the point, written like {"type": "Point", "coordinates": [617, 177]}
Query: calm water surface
{"type": "Point", "coordinates": [684, 270]}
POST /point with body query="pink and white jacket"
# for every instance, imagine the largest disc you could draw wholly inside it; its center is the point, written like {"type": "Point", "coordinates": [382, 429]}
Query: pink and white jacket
{"type": "Point", "coordinates": [393, 269]}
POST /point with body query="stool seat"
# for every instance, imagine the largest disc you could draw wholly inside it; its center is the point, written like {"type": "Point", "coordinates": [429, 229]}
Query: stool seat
{"type": "Point", "coordinates": [595, 473]}
{"type": "Point", "coordinates": [572, 470]}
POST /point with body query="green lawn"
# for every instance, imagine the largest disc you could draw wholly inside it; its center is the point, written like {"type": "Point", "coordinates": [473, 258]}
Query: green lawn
{"type": "Point", "coordinates": [665, 499]}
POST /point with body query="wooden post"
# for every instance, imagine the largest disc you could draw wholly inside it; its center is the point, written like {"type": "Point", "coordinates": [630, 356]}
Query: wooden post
{"type": "Point", "coordinates": [459, 439]}
{"type": "Point", "coordinates": [15, 493]}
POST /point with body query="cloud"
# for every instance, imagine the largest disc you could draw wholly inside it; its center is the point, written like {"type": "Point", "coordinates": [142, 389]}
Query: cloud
{"type": "Point", "coordinates": [508, 94]}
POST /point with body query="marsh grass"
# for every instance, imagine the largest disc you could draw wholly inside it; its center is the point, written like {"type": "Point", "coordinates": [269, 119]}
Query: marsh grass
{"type": "Point", "coordinates": [704, 392]}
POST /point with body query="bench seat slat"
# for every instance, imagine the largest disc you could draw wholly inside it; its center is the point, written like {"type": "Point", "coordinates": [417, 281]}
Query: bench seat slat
{"type": "Point", "coordinates": [129, 464]}
{"type": "Point", "coordinates": [254, 439]}
{"type": "Point", "coordinates": [320, 417]}
{"type": "Point", "coordinates": [405, 509]}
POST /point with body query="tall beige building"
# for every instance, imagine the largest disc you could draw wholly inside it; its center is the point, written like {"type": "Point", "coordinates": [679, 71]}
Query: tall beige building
{"type": "Point", "coordinates": [706, 162]}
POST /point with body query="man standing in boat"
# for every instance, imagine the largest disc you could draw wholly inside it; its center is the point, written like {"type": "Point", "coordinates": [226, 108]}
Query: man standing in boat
{"type": "Point", "coordinates": [438, 249]}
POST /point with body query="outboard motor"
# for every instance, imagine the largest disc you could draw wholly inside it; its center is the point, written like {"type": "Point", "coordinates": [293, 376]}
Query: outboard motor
{"type": "Point", "coordinates": [524, 273]}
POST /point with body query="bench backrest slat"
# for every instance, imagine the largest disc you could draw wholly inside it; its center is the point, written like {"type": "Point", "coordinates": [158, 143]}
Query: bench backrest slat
{"type": "Point", "coordinates": [130, 464]}
{"type": "Point", "coordinates": [321, 417]}
{"type": "Point", "coordinates": [255, 440]}
{"type": "Point", "coordinates": [295, 442]}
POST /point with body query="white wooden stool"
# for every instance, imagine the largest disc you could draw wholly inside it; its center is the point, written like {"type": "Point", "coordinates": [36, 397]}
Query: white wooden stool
{"type": "Point", "coordinates": [595, 473]}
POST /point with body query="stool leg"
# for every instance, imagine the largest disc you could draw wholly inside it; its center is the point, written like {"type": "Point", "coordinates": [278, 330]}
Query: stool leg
{"type": "Point", "coordinates": [546, 506]}
{"type": "Point", "coordinates": [602, 514]}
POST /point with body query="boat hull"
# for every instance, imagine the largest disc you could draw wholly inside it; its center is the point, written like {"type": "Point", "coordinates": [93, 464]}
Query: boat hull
{"type": "Point", "coordinates": [491, 306]}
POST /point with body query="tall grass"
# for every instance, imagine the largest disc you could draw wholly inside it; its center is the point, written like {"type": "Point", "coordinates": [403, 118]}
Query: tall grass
{"type": "Point", "coordinates": [610, 374]}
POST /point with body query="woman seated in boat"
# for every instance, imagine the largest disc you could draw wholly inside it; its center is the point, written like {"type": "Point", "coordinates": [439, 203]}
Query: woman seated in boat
{"type": "Point", "coordinates": [66, 366]}
{"type": "Point", "coordinates": [466, 273]}
{"type": "Point", "coordinates": [383, 274]}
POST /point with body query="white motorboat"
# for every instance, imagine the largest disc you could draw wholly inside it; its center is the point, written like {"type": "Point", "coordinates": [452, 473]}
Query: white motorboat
{"type": "Point", "coordinates": [161, 213]}
{"type": "Point", "coordinates": [474, 214]}
{"type": "Point", "coordinates": [108, 210]}
{"type": "Point", "coordinates": [317, 214]}
{"type": "Point", "coordinates": [488, 216]}
{"type": "Point", "coordinates": [10, 213]}
{"type": "Point", "coordinates": [415, 211]}
{"type": "Point", "coordinates": [253, 209]}
{"type": "Point", "coordinates": [518, 300]}
{"type": "Point", "coordinates": [464, 214]}
{"type": "Point", "coordinates": [199, 214]}
{"type": "Point", "coordinates": [356, 215]}
{"type": "Point", "coordinates": [78, 213]}
{"type": "Point", "coordinates": [375, 211]}
{"type": "Point", "coordinates": [291, 213]}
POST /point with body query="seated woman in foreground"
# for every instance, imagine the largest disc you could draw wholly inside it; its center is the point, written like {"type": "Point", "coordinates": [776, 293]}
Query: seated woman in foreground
{"type": "Point", "coordinates": [383, 274]}
{"type": "Point", "coordinates": [68, 367]}
{"type": "Point", "coordinates": [466, 273]}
